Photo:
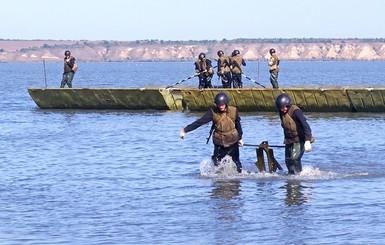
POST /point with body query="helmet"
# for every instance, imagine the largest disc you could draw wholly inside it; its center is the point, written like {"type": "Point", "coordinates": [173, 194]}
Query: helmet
{"type": "Point", "coordinates": [67, 53]}
{"type": "Point", "coordinates": [202, 56]}
{"type": "Point", "coordinates": [220, 53]}
{"type": "Point", "coordinates": [272, 51]}
{"type": "Point", "coordinates": [235, 52]}
{"type": "Point", "coordinates": [221, 99]}
{"type": "Point", "coordinates": [282, 100]}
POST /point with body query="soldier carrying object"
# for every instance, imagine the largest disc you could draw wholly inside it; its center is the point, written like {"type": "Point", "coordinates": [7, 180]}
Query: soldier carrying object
{"type": "Point", "coordinates": [204, 71]}
{"type": "Point", "coordinates": [227, 130]}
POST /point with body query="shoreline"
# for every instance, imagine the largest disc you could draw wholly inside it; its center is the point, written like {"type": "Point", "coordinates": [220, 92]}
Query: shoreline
{"type": "Point", "coordinates": [157, 50]}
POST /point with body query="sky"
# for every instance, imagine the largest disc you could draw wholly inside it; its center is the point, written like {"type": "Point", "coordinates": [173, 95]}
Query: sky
{"type": "Point", "coordinates": [182, 20]}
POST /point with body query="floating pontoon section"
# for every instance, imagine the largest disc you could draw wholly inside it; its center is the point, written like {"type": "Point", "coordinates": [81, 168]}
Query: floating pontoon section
{"type": "Point", "coordinates": [179, 99]}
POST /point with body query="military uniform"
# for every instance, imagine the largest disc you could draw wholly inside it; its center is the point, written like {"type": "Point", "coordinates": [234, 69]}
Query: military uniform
{"type": "Point", "coordinates": [236, 62]}
{"type": "Point", "coordinates": [224, 71]}
{"type": "Point", "coordinates": [296, 132]}
{"type": "Point", "coordinates": [69, 70]}
{"type": "Point", "coordinates": [226, 135]}
{"type": "Point", "coordinates": [274, 69]}
{"type": "Point", "coordinates": [204, 69]}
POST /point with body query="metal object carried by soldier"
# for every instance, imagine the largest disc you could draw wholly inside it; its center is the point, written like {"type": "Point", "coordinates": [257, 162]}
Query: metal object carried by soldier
{"type": "Point", "coordinates": [273, 164]}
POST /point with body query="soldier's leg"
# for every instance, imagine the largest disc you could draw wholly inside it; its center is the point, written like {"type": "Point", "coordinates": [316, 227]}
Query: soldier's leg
{"type": "Point", "coordinates": [274, 79]}
{"type": "Point", "coordinates": [208, 81]}
{"type": "Point", "coordinates": [227, 79]}
{"type": "Point", "coordinates": [238, 80]}
{"type": "Point", "coordinates": [297, 153]}
{"type": "Point", "coordinates": [201, 82]}
{"type": "Point", "coordinates": [235, 81]}
{"type": "Point", "coordinates": [240, 83]}
{"type": "Point", "coordinates": [234, 153]}
{"type": "Point", "coordinates": [225, 82]}
{"type": "Point", "coordinates": [63, 81]}
{"type": "Point", "coordinates": [69, 79]}
{"type": "Point", "coordinates": [293, 155]}
{"type": "Point", "coordinates": [288, 160]}
{"type": "Point", "coordinates": [218, 154]}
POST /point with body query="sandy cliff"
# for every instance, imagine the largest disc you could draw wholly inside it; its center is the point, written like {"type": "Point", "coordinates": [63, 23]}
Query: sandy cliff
{"type": "Point", "coordinates": [154, 50]}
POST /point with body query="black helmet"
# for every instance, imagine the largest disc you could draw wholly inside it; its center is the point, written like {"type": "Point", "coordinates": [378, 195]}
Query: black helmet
{"type": "Point", "coordinates": [271, 51]}
{"type": "Point", "coordinates": [282, 100]}
{"type": "Point", "coordinates": [235, 52]}
{"type": "Point", "coordinates": [221, 99]}
{"type": "Point", "coordinates": [220, 53]}
{"type": "Point", "coordinates": [67, 53]}
{"type": "Point", "coordinates": [202, 56]}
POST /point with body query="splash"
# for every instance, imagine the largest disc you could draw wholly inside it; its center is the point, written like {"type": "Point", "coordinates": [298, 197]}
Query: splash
{"type": "Point", "coordinates": [315, 173]}
{"type": "Point", "coordinates": [227, 170]}
{"type": "Point", "coordinates": [311, 172]}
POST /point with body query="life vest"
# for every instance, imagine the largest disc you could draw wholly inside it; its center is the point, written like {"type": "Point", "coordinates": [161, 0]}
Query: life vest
{"type": "Point", "coordinates": [289, 126]}
{"type": "Point", "coordinates": [236, 63]}
{"type": "Point", "coordinates": [274, 63]}
{"type": "Point", "coordinates": [204, 66]}
{"type": "Point", "coordinates": [225, 133]}
{"type": "Point", "coordinates": [223, 65]}
{"type": "Point", "coordinates": [69, 64]}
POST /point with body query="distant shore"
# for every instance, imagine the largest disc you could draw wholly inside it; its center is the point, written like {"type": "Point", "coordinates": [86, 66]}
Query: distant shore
{"type": "Point", "coordinates": [158, 50]}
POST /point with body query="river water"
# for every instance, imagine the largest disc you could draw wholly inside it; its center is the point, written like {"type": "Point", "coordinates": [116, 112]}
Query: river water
{"type": "Point", "coordinates": [125, 177]}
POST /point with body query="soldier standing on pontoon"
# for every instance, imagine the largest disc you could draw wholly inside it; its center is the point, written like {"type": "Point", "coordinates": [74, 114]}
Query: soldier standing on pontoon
{"type": "Point", "coordinates": [224, 69]}
{"type": "Point", "coordinates": [273, 68]}
{"type": "Point", "coordinates": [236, 63]}
{"type": "Point", "coordinates": [204, 70]}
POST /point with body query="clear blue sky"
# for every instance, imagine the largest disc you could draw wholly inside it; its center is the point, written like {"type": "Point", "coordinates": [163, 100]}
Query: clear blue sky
{"type": "Point", "coordinates": [191, 19]}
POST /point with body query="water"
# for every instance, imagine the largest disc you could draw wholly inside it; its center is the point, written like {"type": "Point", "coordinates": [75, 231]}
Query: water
{"type": "Point", "coordinates": [125, 177]}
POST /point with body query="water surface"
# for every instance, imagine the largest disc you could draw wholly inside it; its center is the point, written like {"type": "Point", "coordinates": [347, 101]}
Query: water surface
{"type": "Point", "coordinates": [125, 177]}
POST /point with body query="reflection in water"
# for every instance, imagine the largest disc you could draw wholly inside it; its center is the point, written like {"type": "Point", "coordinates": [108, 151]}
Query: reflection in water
{"type": "Point", "coordinates": [225, 199]}
{"type": "Point", "coordinates": [226, 206]}
{"type": "Point", "coordinates": [226, 189]}
{"type": "Point", "coordinates": [295, 216]}
{"type": "Point", "coordinates": [295, 193]}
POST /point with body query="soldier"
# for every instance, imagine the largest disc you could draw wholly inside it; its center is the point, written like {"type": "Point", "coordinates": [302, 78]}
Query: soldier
{"type": "Point", "coordinates": [297, 133]}
{"type": "Point", "coordinates": [70, 68]}
{"type": "Point", "coordinates": [236, 63]}
{"type": "Point", "coordinates": [204, 70]}
{"type": "Point", "coordinates": [224, 69]}
{"type": "Point", "coordinates": [273, 68]}
{"type": "Point", "coordinates": [226, 128]}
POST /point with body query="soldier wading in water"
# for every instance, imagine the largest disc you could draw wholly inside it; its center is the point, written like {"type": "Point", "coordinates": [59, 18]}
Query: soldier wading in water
{"type": "Point", "coordinates": [297, 133]}
{"type": "Point", "coordinates": [227, 130]}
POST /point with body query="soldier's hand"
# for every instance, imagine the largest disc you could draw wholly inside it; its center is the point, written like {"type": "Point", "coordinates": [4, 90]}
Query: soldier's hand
{"type": "Point", "coordinates": [182, 134]}
{"type": "Point", "coordinates": [307, 146]}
